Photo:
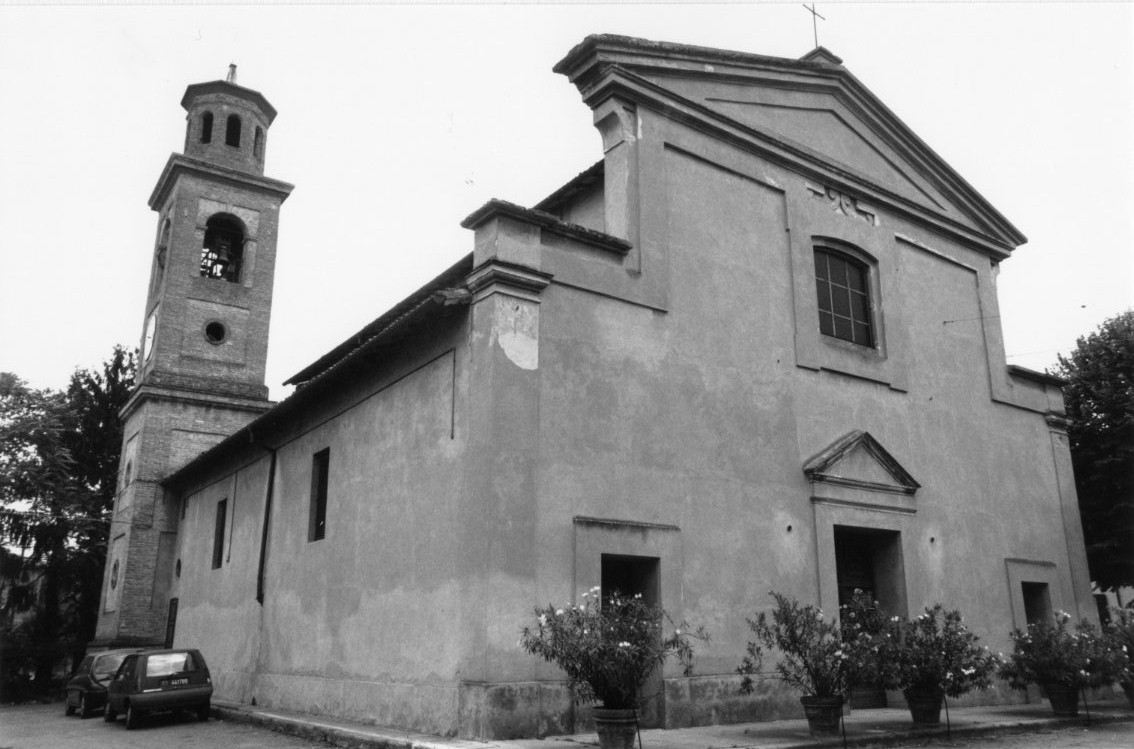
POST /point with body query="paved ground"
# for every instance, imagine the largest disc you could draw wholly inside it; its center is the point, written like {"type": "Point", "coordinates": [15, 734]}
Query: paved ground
{"type": "Point", "coordinates": [1097, 736]}
{"type": "Point", "coordinates": [242, 727]}
{"type": "Point", "coordinates": [45, 727]}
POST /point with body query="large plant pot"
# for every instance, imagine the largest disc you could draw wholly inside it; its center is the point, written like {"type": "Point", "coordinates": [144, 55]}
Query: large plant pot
{"type": "Point", "coordinates": [823, 714]}
{"type": "Point", "coordinates": [1064, 699]}
{"type": "Point", "coordinates": [925, 705]}
{"type": "Point", "coordinates": [616, 728]}
{"type": "Point", "coordinates": [867, 697]}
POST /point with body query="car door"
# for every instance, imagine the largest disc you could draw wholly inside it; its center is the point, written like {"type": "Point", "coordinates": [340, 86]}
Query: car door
{"type": "Point", "coordinates": [120, 685]}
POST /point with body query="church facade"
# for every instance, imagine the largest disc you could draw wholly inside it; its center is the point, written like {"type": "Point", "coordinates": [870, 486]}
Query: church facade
{"type": "Point", "coordinates": [755, 347]}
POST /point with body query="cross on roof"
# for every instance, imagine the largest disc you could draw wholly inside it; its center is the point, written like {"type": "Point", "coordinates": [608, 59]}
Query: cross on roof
{"type": "Point", "coordinates": [814, 20]}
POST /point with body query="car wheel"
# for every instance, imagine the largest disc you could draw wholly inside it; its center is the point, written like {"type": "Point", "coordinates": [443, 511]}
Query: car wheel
{"type": "Point", "coordinates": [131, 717]}
{"type": "Point", "coordinates": [68, 708]}
{"type": "Point", "coordinates": [110, 715]}
{"type": "Point", "coordinates": [203, 712]}
{"type": "Point", "coordinates": [84, 711]}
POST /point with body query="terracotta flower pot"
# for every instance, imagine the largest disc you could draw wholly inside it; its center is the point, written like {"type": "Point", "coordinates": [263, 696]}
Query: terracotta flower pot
{"type": "Point", "coordinates": [616, 728]}
{"type": "Point", "coordinates": [1064, 699]}
{"type": "Point", "coordinates": [823, 714]}
{"type": "Point", "coordinates": [925, 705]}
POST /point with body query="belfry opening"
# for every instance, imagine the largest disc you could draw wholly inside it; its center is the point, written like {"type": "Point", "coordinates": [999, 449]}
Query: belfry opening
{"type": "Point", "coordinates": [223, 250]}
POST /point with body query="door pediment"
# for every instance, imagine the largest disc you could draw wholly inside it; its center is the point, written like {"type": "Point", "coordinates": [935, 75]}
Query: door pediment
{"type": "Point", "coordinates": [859, 461]}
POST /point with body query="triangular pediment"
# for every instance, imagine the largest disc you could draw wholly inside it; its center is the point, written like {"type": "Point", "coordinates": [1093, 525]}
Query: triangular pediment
{"type": "Point", "coordinates": [811, 110]}
{"type": "Point", "coordinates": [857, 460]}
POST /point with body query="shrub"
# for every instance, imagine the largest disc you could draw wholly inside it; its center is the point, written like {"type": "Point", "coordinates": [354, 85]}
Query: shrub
{"type": "Point", "coordinates": [814, 659]}
{"type": "Point", "coordinates": [607, 649]}
{"type": "Point", "coordinates": [936, 653]}
{"type": "Point", "coordinates": [1057, 654]}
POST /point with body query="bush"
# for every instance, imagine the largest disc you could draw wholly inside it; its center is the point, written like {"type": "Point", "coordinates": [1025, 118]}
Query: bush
{"type": "Point", "coordinates": [814, 659]}
{"type": "Point", "coordinates": [935, 653]}
{"type": "Point", "coordinates": [1056, 654]}
{"type": "Point", "coordinates": [608, 649]}
{"type": "Point", "coordinates": [863, 630]}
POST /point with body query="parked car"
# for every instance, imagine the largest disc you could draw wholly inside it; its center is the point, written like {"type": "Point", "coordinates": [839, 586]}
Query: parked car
{"type": "Point", "coordinates": [86, 691]}
{"type": "Point", "coordinates": [159, 680]}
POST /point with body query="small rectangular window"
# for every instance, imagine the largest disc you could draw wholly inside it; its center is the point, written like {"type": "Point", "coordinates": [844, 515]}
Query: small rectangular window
{"type": "Point", "coordinates": [317, 527]}
{"type": "Point", "coordinates": [218, 534]}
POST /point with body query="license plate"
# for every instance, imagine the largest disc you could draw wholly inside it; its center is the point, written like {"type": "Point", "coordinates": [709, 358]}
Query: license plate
{"type": "Point", "coordinates": [175, 682]}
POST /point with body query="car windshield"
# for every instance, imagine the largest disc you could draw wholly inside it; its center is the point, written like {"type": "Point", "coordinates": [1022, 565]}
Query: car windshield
{"type": "Point", "coordinates": [164, 664]}
{"type": "Point", "coordinates": [105, 666]}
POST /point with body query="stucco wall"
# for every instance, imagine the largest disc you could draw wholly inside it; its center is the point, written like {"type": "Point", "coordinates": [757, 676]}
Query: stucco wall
{"type": "Point", "coordinates": [701, 416]}
{"type": "Point", "coordinates": [361, 623]}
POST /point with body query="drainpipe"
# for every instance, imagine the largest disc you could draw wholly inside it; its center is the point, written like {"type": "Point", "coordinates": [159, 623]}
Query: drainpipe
{"type": "Point", "coordinates": [264, 531]}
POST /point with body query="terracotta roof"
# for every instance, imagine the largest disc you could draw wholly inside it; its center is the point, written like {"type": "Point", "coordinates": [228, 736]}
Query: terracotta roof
{"type": "Point", "coordinates": [453, 276]}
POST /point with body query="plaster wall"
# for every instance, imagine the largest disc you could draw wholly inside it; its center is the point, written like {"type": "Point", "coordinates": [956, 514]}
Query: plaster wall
{"type": "Point", "coordinates": [363, 622]}
{"type": "Point", "coordinates": [700, 416]}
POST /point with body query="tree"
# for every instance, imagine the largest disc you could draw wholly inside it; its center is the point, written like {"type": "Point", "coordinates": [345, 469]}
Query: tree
{"type": "Point", "coordinates": [1100, 406]}
{"type": "Point", "coordinates": [58, 467]}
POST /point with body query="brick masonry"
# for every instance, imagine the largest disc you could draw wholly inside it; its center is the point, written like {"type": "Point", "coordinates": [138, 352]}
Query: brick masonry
{"type": "Point", "coordinates": [193, 392]}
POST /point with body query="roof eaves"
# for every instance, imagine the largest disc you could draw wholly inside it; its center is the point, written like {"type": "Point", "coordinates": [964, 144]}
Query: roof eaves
{"type": "Point", "coordinates": [581, 182]}
{"type": "Point", "coordinates": [385, 323]}
{"type": "Point", "coordinates": [496, 207]}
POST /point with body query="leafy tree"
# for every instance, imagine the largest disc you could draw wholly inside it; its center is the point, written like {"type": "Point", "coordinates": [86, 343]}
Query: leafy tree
{"type": "Point", "coordinates": [1100, 406]}
{"type": "Point", "coordinates": [58, 468]}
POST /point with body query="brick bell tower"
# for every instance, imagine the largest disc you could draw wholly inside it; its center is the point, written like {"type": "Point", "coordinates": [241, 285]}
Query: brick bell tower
{"type": "Point", "coordinates": [204, 341]}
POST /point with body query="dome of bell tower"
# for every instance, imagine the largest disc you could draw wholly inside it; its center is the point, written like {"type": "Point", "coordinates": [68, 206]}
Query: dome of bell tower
{"type": "Point", "coordinates": [227, 124]}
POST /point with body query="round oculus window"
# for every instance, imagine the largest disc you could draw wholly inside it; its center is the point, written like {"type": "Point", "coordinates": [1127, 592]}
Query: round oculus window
{"type": "Point", "coordinates": [216, 332]}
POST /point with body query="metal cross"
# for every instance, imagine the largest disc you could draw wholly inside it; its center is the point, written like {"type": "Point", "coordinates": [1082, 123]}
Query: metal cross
{"type": "Point", "coordinates": [814, 20]}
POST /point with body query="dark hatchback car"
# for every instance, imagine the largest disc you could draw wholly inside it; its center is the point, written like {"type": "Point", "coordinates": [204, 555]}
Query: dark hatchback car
{"type": "Point", "coordinates": [86, 691]}
{"type": "Point", "coordinates": [159, 680]}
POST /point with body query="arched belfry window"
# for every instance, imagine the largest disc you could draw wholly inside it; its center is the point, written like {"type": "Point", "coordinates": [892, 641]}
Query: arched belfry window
{"type": "Point", "coordinates": [842, 287]}
{"type": "Point", "coordinates": [232, 131]}
{"type": "Point", "coordinates": [258, 143]}
{"type": "Point", "coordinates": [223, 249]}
{"type": "Point", "coordinates": [207, 127]}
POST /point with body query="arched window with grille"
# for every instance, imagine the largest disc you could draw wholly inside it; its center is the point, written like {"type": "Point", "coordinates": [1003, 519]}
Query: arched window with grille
{"type": "Point", "coordinates": [842, 288]}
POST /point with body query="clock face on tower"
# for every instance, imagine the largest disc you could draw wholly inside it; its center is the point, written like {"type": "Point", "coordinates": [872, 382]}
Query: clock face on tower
{"type": "Point", "coordinates": [148, 341]}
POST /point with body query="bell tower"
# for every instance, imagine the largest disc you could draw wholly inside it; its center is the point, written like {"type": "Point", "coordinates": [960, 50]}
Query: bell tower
{"type": "Point", "coordinates": [204, 340]}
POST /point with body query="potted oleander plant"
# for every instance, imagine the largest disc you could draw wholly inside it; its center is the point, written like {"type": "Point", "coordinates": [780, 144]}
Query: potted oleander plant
{"type": "Point", "coordinates": [1120, 632]}
{"type": "Point", "coordinates": [932, 656]}
{"type": "Point", "coordinates": [813, 659]}
{"type": "Point", "coordinates": [607, 648]}
{"type": "Point", "coordinates": [1063, 660]}
{"type": "Point", "coordinates": [863, 626]}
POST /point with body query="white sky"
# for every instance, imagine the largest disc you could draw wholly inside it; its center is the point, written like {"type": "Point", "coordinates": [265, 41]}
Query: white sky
{"type": "Point", "coordinates": [396, 122]}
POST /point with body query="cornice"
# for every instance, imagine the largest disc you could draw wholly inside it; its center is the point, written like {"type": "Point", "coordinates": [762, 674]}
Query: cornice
{"type": "Point", "coordinates": [547, 222]}
{"type": "Point", "coordinates": [149, 391]}
{"type": "Point", "coordinates": [497, 273]}
{"type": "Point", "coordinates": [586, 520]}
{"type": "Point", "coordinates": [179, 164]}
{"type": "Point", "coordinates": [197, 90]}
